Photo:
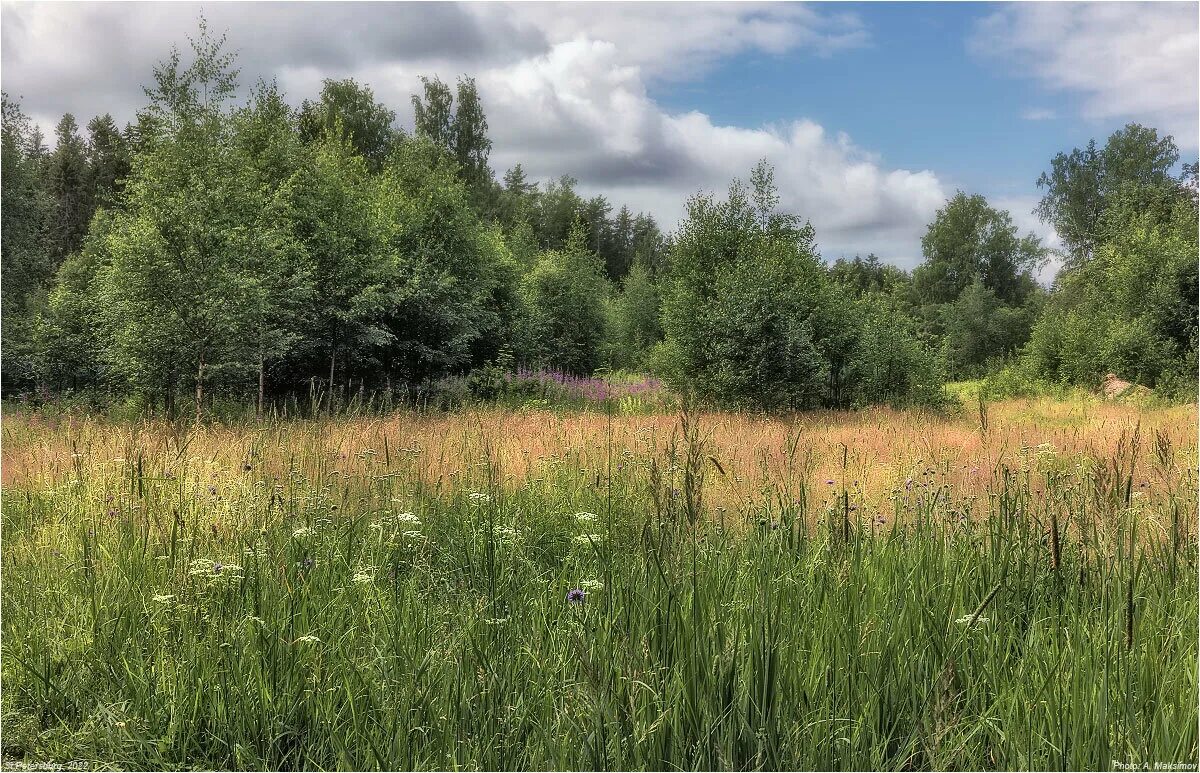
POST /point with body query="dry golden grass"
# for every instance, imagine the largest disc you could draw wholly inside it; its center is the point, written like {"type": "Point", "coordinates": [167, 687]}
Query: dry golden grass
{"type": "Point", "coordinates": [757, 456]}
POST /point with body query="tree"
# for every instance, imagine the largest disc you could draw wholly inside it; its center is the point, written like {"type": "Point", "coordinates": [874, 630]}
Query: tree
{"type": "Point", "coordinates": [565, 296]}
{"type": "Point", "coordinates": [451, 296]}
{"type": "Point", "coordinates": [889, 362]}
{"type": "Point", "coordinates": [337, 217]}
{"type": "Point", "coordinates": [70, 342]}
{"type": "Point", "coordinates": [268, 147]}
{"type": "Point", "coordinates": [108, 161]}
{"type": "Point", "coordinates": [68, 187]}
{"type": "Point", "coordinates": [980, 327]}
{"type": "Point", "coordinates": [558, 209]}
{"type": "Point", "coordinates": [25, 268]}
{"type": "Point", "coordinates": [350, 110]}
{"type": "Point", "coordinates": [193, 260]}
{"type": "Point", "coordinates": [739, 307]}
{"type": "Point", "coordinates": [970, 239]}
{"type": "Point", "coordinates": [471, 145]}
{"type": "Point", "coordinates": [1081, 185]}
{"type": "Point", "coordinates": [868, 275]}
{"type": "Point", "coordinates": [461, 130]}
{"type": "Point", "coordinates": [636, 326]}
{"type": "Point", "coordinates": [517, 199]}
{"type": "Point", "coordinates": [1131, 307]}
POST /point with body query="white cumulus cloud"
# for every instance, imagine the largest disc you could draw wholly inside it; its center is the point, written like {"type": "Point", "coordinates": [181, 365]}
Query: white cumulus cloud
{"type": "Point", "coordinates": [1127, 61]}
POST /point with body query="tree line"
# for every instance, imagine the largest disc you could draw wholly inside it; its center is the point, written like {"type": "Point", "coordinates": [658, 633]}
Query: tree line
{"type": "Point", "coordinates": [249, 248]}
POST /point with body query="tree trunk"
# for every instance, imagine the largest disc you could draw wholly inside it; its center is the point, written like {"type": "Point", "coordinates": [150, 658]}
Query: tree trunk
{"type": "Point", "coordinates": [199, 389]}
{"type": "Point", "coordinates": [262, 366]}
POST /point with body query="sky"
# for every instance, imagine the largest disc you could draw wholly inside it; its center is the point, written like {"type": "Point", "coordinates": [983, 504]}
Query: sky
{"type": "Point", "coordinates": [873, 114]}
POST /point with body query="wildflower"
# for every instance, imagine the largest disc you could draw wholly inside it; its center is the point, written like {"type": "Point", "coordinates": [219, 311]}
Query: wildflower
{"type": "Point", "coordinates": [164, 598]}
{"type": "Point", "coordinates": [590, 585]}
{"type": "Point", "coordinates": [506, 534]}
{"type": "Point", "coordinates": [495, 620]}
{"type": "Point", "coordinates": [408, 518]}
{"type": "Point", "coordinates": [965, 619]}
{"type": "Point", "coordinates": [307, 563]}
{"type": "Point", "coordinates": [478, 497]}
{"type": "Point", "coordinates": [217, 567]}
{"type": "Point", "coordinates": [413, 535]}
{"type": "Point", "coordinates": [309, 639]}
{"type": "Point", "coordinates": [585, 517]}
{"type": "Point", "coordinates": [828, 483]}
{"type": "Point", "coordinates": [575, 596]}
{"type": "Point", "coordinates": [362, 578]}
{"type": "Point", "coordinates": [587, 539]}
{"type": "Point", "coordinates": [302, 532]}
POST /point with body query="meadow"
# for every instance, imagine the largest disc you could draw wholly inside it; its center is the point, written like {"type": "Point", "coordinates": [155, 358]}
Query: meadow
{"type": "Point", "coordinates": [1010, 586]}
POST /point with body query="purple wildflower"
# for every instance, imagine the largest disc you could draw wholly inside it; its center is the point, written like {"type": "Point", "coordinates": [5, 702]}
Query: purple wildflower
{"type": "Point", "coordinates": [217, 567]}
{"type": "Point", "coordinates": [575, 596]}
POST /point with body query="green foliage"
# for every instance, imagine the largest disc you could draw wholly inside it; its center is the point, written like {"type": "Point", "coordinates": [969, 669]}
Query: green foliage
{"type": "Point", "coordinates": [980, 328]}
{"type": "Point", "coordinates": [108, 157]}
{"type": "Point", "coordinates": [1130, 308]}
{"type": "Point", "coordinates": [24, 223]}
{"type": "Point", "coordinates": [970, 240]}
{"type": "Point", "coordinates": [67, 185]}
{"type": "Point", "coordinates": [869, 275]}
{"type": "Point", "coordinates": [738, 306]}
{"type": "Point", "coordinates": [752, 320]}
{"type": "Point", "coordinates": [451, 291]}
{"type": "Point", "coordinates": [565, 319]}
{"type": "Point", "coordinates": [459, 127]}
{"type": "Point", "coordinates": [349, 110]}
{"type": "Point", "coordinates": [202, 256]}
{"type": "Point", "coordinates": [890, 364]}
{"type": "Point", "coordinates": [1081, 185]}
{"type": "Point", "coordinates": [635, 324]}
{"type": "Point", "coordinates": [976, 289]}
{"type": "Point", "coordinates": [208, 246]}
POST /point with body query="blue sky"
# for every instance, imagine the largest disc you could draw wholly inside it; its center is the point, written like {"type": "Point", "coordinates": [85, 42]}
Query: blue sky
{"type": "Point", "coordinates": [913, 94]}
{"type": "Point", "coordinates": [919, 94]}
{"type": "Point", "coordinates": [872, 113]}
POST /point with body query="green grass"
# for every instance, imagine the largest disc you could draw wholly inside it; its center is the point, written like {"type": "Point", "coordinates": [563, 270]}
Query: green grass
{"type": "Point", "coordinates": [383, 621]}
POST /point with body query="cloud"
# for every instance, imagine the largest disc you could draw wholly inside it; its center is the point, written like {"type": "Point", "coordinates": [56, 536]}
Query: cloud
{"type": "Point", "coordinates": [1127, 61]}
{"type": "Point", "coordinates": [565, 88]}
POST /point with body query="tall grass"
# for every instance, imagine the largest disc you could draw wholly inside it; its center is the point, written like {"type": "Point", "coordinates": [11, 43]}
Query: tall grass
{"type": "Point", "coordinates": [277, 600]}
